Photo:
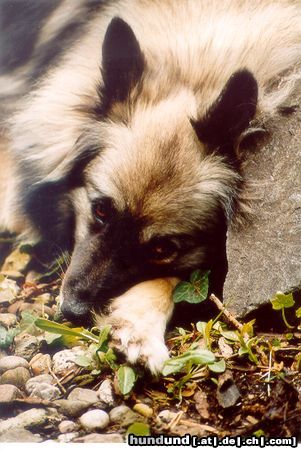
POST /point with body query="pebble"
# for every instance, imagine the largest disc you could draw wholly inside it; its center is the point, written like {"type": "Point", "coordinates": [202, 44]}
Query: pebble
{"type": "Point", "coordinates": [36, 308]}
{"type": "Point", "coordinates": [19, 435]}
{"type": "Point", "coordinates": [67, 426]}
{"type": "Point", "coordinates": [72, 408]}
{"type": "Point", "coordinates": [16, 261]}
{"type": "Point", "coordinates": [14, 307]}
{"type": "Point", "coordinates": [100, 438]}
{"type": "Point", "coordinates": [32, 277]}
{"type": "Point", "coordinates": [143, 409]}
{"type": "Point", "coordinates": [18, 377]}
{"type": "Point", "coordinates": [67, 437]}
{"type": "Point", "coordinates": [44, 391]}
{"type": "Point", "coordinates": [40, 364]}
{"type": "Point", "coordinates": [8, 291]}
{"type": "Point", "coordinates": [9, 392]}
{"type": "Point", "coordinates": [8, 320]}
{"type": "Point", "coordinates": [42, 387]}
{"type": "Point", "coordinates": [26, 345]}
{"type": "Point", "coordinates": [11, 362]}
{"type": "Point", "coordinates": [94, 420]}
{"type": "Point", "coordinates": [166, 415]}
{"type": "Point", "coordinates": [26, 419]}
{"type": "Point", "coordinates": [124, 416]}
{"type": "Point", "coordinates": [63, 361]}
{"type": "Point", "coordinates": [44, 378]}
{"type": "Point", "coordinates": [84, 395]}
{"type": "Point", "coordinates": [105, 393]}
{"type": "Point", "coordinates": [227, 393]}
{"type": "Point", "coordinates": [13, 275]}
{"type": "Point", "coordinates": [45, 298]}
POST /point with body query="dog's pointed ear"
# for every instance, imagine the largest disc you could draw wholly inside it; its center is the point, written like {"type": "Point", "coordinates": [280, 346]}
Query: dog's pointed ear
{"type": "Point", "coordinates": [122, 61]}
{"type": "Point", "coordinates": [230, 114]}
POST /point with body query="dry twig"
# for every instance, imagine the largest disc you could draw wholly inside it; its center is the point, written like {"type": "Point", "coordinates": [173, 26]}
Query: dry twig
{"type": "Point", "coordinates": [229, 316]}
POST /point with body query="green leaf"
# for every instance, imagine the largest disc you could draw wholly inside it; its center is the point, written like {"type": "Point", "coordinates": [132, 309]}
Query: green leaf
{"type": "Point", "coordinates": [280, 301]}
{"type": "Point", "coordinates": [201, 327]}
{"type": "Point", "coordinates": [208, 329]}
{"type": "Point", "coordinates": [103, 338]}
{"type": "Point", "coordinates": [83, 361]}
{"type": "Point", "coordinates": [195, 276]}
{"type": "Point", "coordinates": [218, 366]}
{"type": "Point", "coordinates": [52, 338]}
{"type": "Point", "coordinates": [259, 433]}
{"type": "Point", "coordinates": [182, 292]}
{"type": "Point", "coordinates": [205, 329]}
{"type": "Point", "coordinates": [195, 291]}
{"type": "Point", "coordinates": [27, 323]}
{"type": "Point", "coordinates": [126, 379]}
{"type": "Point", "coordinates": [276, 342]}
{"type": "Point", "coordinates": [138, 429]}
{"type": "Point", "coordinates": [230, 335]}
{"type": "Point", "coordinates": [58, 328]}
{"type": "Point", "coordinates": [199, 276]}
{"type": "Point", "coordinates": [110, 357]}
{"type": "Point", "coordinates": [298, 313]}
{"type": "Point", "coordinates": [247, 328]}
{"type": "Point", "coordinates": [199, 357]}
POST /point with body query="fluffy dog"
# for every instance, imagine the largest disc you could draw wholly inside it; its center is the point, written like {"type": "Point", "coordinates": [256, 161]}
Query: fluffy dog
{"type": "Point", "coordinates": [126, 151]}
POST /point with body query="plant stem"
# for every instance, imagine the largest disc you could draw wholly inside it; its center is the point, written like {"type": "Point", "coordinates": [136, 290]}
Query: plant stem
{"type": "Point", "coordinates": [284, 319]}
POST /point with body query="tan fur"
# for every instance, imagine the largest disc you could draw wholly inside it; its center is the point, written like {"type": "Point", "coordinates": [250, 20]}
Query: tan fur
{"type": "Point", "coordinates": [138, 319]}
{"type": "Point", "coordinates": [189, 43]}
{"type": "Point", "coordinates": [151, 161]}
{"type": "Point", "coordinates": [9, 217]}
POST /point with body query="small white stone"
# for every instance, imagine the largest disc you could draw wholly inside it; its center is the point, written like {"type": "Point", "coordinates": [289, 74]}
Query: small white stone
{"type": "Point", "coordinates": [93, 420]}
{"type": "Point", "coordinates": [63, 361]}
{"type": "Point", "coordinates": [41, 386]}
{"type": "Point", "coordinates": [8, 320]}
{"type": "Point", "coordinates": [83, 395]}
{"type": "Point", "coordinates": [105, 393]}
{"type": "Point", "coordinates": [118, 413]}
{"type": "Point", "coordinates": [44, 378]}
{"type": "Point", "coordinates": [67, 437]}
{"type": "Point", "coordinates": [45, 391]}
{"type": "Point", "coordinates": [11, 362]}
{"type": "Point", "coordinates": [67, 426]}
{"type": "Point", "coordinates": [166, 415]}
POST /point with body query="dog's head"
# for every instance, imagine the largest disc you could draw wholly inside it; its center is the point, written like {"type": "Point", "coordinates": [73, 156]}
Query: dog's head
{"type": "Point", "coordinates": [151, 184]}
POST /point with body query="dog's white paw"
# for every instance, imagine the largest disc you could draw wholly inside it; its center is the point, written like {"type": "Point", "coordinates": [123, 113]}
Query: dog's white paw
{"type": "Point", "coordinates": [138, 321]}
{"type": "Point", "coordinates": [140, 346]}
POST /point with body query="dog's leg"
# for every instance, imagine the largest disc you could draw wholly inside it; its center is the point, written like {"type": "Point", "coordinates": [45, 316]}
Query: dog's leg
{"type": "Point", "coordinates": [139, 318]}
{"type": "Point", "coordinates": [10, 219]}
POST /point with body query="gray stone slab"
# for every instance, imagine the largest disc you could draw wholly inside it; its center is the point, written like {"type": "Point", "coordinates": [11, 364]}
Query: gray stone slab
{"type": "Point", "coordinates": [265, 256]}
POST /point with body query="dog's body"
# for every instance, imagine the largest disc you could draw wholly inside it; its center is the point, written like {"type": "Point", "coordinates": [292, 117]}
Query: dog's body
{"type": "Point", "coordinates": [126, 151]}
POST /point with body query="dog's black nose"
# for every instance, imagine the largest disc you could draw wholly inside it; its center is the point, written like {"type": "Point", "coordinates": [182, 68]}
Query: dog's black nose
{"type": "Point", "coordinates": [76, 312]}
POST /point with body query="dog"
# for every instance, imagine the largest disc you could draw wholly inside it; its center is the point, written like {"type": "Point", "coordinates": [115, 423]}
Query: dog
{"type": "Point", "coordinates": [125, 151]}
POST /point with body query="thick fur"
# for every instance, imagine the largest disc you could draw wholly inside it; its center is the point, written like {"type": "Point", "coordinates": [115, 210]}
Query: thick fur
{"type": "Point", "coordinates": [127, 147]}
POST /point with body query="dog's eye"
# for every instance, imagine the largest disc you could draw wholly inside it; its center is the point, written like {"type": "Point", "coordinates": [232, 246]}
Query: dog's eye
{"type": "Point", "coordinates": [163, 251]}
{"type": "Point", "coordinates": [100, 213]}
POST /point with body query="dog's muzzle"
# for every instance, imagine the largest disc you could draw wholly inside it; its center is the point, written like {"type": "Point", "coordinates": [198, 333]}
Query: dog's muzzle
{"type": "Point", "coordinates": [76, 312]}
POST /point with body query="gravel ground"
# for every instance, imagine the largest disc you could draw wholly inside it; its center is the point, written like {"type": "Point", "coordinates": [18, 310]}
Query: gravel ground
{"type": "Point", "coordinates": [48, 394]}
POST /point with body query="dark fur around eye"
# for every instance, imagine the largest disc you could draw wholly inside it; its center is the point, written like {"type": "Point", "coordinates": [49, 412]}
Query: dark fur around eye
{"type": "Point", "coordinates": [102, 210]}
{"type": "Point", "coordinates": [162, 248]}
